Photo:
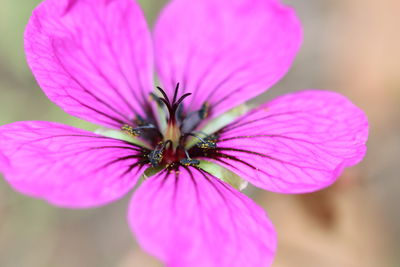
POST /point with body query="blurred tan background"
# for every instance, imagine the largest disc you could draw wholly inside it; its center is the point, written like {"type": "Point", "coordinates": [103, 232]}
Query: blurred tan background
{"type": "Point", "coordinates": [351, 46]}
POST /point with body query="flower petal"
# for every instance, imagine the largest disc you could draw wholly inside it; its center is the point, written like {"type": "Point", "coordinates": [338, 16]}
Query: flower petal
{"type": "Point", "coordinates": [3, 162]}
{"type": "Point", "coordinates": [93, 58]}
{"type": "Point", "coordinates": [225, 52]}
{"type": "Point", "coordinates": [297, 143]}
{"type": "Point", "coordinates": [67, 166]}
{"type": "Point", "coordinates": [194, 219]}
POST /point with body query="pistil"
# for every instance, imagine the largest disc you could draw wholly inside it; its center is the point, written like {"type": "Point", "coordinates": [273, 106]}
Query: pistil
{"type": "Point", "coordinates": [173, 134]}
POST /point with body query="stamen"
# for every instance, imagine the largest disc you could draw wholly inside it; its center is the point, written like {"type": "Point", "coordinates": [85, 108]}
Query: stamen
{"type": "Point", "coordinates": [209, 142]}
{"type": "Point", "coordinates": [198, 137]}
{"type": "Point", "coordinates": [207, 145]}
{"type": "Point", "coordinates": [130, 130]}
{"type": "Point", "coordinates": [203, 112]}
{"type": "Point", "coordinates": [189, 161]}
{"type": "Point", "coordinates": [136, 131]}
{"type": "Point", "coordinates": [156, 156]}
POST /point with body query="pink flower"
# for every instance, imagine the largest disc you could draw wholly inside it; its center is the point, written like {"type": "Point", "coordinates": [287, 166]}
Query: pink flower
{"type": "Point", "coordinates": [94, 58]}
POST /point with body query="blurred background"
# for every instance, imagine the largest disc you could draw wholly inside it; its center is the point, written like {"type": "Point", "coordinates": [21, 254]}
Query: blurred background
{"type": "Point", "coordinates": [351, 46]}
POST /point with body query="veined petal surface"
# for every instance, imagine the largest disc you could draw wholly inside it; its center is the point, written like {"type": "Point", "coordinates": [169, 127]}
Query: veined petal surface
{"type": "Point", "coordinates": [67, 166]}
{"type": "Point", "coordinates": [194, 219]}
{"type": "Point", "coordinates": [93, 58]}
{"type": "Point", "coordinates": [297, 143]}
{"type": "Point", "coordinates": [3, 162]}
{"type": "Point", "coordinates": [227, 51]}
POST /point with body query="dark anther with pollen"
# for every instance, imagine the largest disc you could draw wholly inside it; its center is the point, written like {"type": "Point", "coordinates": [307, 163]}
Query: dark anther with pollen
{"type": "Point", "coordinates": [212, 138]}
{"type": "Point", "coordinates": [189, 162]}
{"type": "Point", "coordinates": [207, 145]}
{"type": "Point", "coordinates": [130, 130]}
{"type": "Point", "coordinates": [208, 142]}
{"type": "Point", "coordinates": [155, 157]}
{"type": "Point", "coordinates": [135, 131]}
{"type": "Point", "coordinates": [203, 112]}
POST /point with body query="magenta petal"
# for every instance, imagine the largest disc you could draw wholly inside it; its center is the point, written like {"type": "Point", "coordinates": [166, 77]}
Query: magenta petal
{"type": "Point", "coordinates": [194, 219]}
{"type": "Point", "coordinates": [93, 58]}
{"type": "Point", "coordinates": [3, 162]}
{"type": "Point", "coordinates": [67, 166]}
{"type": "Point", "coordinates": [297, 143]}
{"type": "Point", "coordinates": [227, 51]}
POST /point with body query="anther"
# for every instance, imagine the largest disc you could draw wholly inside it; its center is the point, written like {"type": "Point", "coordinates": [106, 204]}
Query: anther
{"type": "Point", "coordinates": [130, 130]}
{"type": "Point", "coordinates": [136, 131]}
{"type": "Point", "coordinates": [209, 142]}
{"type": "Point", "coordinates": [203, 112]}
{"type": "Point", "coordinates": [189, 161]}
{"type": "Point", "coordinates": [207, 145]}
{"type": "Point", "coordinates": [155, 157]}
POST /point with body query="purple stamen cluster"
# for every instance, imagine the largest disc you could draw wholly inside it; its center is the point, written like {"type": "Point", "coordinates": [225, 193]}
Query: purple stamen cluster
{"type": "Point", "coordinates": [170, 150]}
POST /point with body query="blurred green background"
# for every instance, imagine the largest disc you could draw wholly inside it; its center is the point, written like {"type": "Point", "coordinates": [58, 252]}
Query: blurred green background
{"type": "Point", "coordinates": [351, 46]}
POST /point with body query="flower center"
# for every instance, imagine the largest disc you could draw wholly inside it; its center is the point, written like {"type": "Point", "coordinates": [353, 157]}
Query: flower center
{"type": "Point", "coordinates": [169, 145]}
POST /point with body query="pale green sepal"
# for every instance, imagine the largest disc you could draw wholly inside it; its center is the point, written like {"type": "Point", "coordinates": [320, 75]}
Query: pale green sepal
{"type": "Point", "coordinates": [224, 174]}
{"type": "Point", "coordinates": [152, 171]}
{"type": "Point", "coordinates": [212, 168]}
